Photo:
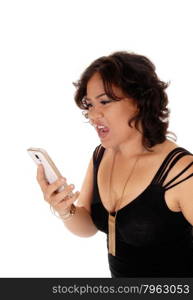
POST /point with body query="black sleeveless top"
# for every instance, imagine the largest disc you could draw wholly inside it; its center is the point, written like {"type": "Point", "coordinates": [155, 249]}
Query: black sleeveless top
{"type": "Point", "coordinates": [151, 240]}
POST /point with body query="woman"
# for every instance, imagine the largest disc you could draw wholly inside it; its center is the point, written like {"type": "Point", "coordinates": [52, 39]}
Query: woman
{"type": "Point", "coordinates": [138, 187]}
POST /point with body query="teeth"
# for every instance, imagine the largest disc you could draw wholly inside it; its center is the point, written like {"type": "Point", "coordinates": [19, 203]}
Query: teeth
{"type": "Point", "coordinates": [99, 126]}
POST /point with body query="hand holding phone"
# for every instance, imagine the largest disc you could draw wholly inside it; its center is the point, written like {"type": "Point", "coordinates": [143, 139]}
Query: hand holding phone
{"type": "Point", "coordinates": [40, 156]}
{"type": "Point", "coordinates": [49, 178]}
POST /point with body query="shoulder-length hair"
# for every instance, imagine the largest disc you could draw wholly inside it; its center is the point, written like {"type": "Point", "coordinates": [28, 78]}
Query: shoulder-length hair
{"type": "Point", "coordinates": [135, 75]}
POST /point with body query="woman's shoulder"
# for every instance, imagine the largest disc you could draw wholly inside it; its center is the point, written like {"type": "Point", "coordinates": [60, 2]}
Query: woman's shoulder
{"type": "Point", "coordinates": [162, 151]}
{"type": "Point", "coordinates": [180, 162]}
{"type": "Point", "coordinates": [165, 147]}
{"type": "Point", "coordinates": [170, 146]}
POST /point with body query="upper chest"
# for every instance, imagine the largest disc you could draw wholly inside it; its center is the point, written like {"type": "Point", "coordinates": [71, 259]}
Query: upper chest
{"type": "Point", "coordinates": [121, 184]}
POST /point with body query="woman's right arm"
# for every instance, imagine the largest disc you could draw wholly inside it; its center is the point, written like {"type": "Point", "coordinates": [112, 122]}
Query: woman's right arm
{"type": "Point", "coordinates": [80, 223]}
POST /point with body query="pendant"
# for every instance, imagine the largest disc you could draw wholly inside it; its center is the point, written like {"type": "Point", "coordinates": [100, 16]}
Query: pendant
{"type": "Point", "coordinates": [111, 224]}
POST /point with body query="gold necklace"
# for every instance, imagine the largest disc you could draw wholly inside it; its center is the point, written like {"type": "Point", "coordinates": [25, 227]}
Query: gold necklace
{"type": "Point", "coordinates": [112, 219]}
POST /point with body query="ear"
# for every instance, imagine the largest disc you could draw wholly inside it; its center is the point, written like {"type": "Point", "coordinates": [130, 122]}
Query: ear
{"type": "Point", "coordinates": [135, 105]}
{"type": "Point", "coordinates": [136, 108]}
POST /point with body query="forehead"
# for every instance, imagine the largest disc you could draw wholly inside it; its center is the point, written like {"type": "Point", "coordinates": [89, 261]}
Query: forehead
{"type": "Point", "coordinates": [95, 87]}
{"type": "Point", "coordinates": [95, 84]}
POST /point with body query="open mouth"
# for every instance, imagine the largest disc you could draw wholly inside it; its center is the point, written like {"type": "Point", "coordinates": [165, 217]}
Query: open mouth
{"type": "Point", "coordinates": [102, 131]}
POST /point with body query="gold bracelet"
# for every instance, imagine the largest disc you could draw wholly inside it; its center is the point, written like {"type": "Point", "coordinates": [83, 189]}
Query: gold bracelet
{"type": "Point", "coordinates": [65, 216]}
{"type": "Point", "coordinates": [69, 214]}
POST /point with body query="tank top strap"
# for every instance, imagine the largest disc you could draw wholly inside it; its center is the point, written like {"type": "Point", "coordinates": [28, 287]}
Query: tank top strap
{"type": "Point", "coordinates": [168, 163]}
{"type": "Point", "coordinates": [97, 155]}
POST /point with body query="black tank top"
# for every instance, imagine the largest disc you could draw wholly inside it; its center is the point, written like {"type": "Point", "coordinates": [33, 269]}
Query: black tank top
{"type": "Point", "coordinates": [151, 240]}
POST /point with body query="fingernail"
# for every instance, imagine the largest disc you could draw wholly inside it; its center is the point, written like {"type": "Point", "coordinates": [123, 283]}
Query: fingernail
{"type": "Point", "coordinates": [62, 179]}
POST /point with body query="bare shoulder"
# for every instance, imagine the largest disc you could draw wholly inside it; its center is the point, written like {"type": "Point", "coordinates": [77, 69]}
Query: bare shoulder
{"type": "Point", "coordinates": [182, 193]}
{"type": "Point", "coordinates": [157, 155]}
{"type": "Point", "coordinates": [164, 148]}
{"type": "Point", "coordinates": [182, 162]}
{"type": "Point", "coordinates": [185, 190]}
{"type": "Point", "coordinates": [185, 195]}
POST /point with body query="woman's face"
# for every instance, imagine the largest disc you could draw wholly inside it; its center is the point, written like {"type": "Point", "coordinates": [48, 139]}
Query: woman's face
{"type": "Point", "coordinates": [114, 115]}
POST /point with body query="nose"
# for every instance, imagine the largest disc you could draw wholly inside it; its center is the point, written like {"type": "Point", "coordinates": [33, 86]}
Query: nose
{"type": "Point", "coordinates": [94, 114]}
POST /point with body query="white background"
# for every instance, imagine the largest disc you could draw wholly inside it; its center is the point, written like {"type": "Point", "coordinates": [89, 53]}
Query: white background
{"type": "Point", "coordinates": [45, 45]}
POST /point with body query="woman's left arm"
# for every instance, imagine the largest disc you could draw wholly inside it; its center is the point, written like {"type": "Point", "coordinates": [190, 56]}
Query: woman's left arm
{"type": "Point", "coordinates": [185, 196]}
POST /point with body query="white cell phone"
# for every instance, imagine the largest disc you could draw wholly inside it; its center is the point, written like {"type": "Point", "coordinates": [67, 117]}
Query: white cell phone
{"type": "Point", "coordinates": [40, 156]}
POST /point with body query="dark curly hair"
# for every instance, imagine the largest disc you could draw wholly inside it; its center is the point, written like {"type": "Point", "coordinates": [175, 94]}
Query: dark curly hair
{"type": "Point", "coordinates": [135, 75]}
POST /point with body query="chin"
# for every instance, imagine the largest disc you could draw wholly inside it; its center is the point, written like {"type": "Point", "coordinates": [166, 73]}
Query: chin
{"type": "Point", "coordinates": [108, 144]}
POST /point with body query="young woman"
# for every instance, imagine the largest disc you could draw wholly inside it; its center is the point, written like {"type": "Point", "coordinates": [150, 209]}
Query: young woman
{"type": "Point", "coordinates": [138, 187]}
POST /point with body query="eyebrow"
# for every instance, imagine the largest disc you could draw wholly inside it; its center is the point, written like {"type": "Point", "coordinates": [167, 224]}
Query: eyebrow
{"type": "Point", "coordinates": [100, 95]}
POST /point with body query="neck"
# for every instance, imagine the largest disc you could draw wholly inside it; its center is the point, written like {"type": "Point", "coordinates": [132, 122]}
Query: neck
{"type": "Point", "coordinates": [129, 149]}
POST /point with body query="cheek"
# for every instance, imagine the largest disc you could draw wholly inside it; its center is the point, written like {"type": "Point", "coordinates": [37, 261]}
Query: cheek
{"type": "Point", "coordinates": [120, 116]}
{"type": "Point", "coordinates": [127, 114]}
{"type": "Point", "coordinates": [121, 126]}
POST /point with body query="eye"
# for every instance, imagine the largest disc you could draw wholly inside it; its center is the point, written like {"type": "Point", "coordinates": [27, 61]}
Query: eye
{"type": "Point", "coordinates": [105, 101]}
{"type": "Point", "coordinates": [88, 105]}
{"type": "Point", "coordinates": [85, 104]}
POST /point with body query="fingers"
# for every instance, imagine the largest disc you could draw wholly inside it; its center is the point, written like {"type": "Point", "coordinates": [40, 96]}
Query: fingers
{"type": "Point", "coordinates": [41, 178]}
{"type": "Point", "coordinates": [60, 201]}
{"type": "Point", "coordinates": [52, 195]}
{"type": "Point", "coordinates": [47, 188]}
{"type": "Point", "coordinates": [63, 206]}
{"type": "Point", "coordinates": [62, 196]}
{"type": "Point", "coordinates": [53, 189]}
